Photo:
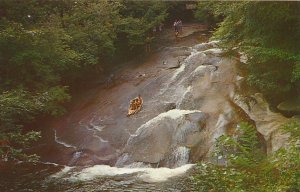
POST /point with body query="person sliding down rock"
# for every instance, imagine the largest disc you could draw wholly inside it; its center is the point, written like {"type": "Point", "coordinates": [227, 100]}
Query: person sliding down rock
{"type": "Point", "coordinates": [135, 105]}
{"type": "Point", "coordinates": [139, 100]}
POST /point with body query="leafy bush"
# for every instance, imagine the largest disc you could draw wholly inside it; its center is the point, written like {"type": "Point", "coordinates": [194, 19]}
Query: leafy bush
{"type": "Point", "coordinates": [250, 170]}
{"type": "Point", "coordinates": [242, 149]}
{"type": "Point", "coordinates": [20, 107]}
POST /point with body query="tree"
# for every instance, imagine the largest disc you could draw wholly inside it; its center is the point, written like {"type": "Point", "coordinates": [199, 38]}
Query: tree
{"type": "Point", "coordinates": [138, 20]}
{"type": "Point", "coordinates": [18, 108]}
{"type": "Point", "coordinates": [268, 32]}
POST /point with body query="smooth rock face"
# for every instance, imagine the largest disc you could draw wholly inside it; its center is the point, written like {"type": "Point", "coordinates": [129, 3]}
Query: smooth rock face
{"type": "Point", "coordinates": [267, 122]}
{"type": "Point", "coordinates": [167, 131]}
{"type": "Point", "coordinates": [290, 106]}
{"type": "Point", "coordinates": [214, 51]}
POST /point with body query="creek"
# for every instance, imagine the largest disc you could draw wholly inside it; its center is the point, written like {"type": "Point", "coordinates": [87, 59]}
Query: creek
{"type": "Point", "coordinates": [192, 94]}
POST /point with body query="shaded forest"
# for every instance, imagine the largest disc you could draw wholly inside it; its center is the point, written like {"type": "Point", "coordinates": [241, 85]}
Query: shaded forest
{"type": "Point", "coordinates": [48, 47]}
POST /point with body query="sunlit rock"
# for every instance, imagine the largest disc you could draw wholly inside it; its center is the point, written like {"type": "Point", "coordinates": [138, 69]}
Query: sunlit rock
{"type": "Point", "coordinates": [167, 131]}
{"type": "Point", "coordinates": [205, 46]}
{"type": "Point", "coordinates": [268, 123]}
{"type": "Point", "coordinates": [214, 51]}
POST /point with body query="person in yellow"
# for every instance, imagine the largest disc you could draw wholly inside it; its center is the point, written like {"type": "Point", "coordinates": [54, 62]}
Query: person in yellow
{"type": "Point", "coordinates": [135, 105]}
{"type": "Point", "coordinates": [139, 101]}
{"type": "Point", "coordinates": [132, 105]}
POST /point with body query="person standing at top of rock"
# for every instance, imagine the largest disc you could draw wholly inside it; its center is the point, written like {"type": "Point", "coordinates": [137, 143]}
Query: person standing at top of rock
{"type": "Point", "coordinates": [175, 24]}
{"type": "Point", "coordinates": [176, 28]}
{"type": "Point", "coordinates": [180, 25]}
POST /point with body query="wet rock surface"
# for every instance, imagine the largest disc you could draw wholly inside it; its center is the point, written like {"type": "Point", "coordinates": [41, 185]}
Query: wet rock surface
{"type": "Point", "coordinates": [178, 78]}
{"type": "Point", "coordinates": [188, 90]}
{"type": "Point", "coordinates": [156, 138]}
{"type": "Point", "coordinates": [98, 129]}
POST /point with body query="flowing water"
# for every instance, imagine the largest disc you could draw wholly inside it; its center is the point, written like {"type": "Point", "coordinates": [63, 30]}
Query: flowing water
{"type": "Point", "coordinates": [187, 90]}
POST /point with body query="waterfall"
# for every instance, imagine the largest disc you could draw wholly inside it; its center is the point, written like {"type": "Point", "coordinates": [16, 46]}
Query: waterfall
{"type": "Point", "coordinates": [143, 174]}
{"type": "Point", "coordinates": [75, 157]}
{"type": "Point", "coordinates": [179, 157]}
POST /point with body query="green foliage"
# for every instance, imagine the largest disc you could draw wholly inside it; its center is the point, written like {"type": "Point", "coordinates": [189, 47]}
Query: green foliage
{"type": "Point", "coordinates": [15, 142]}
{"type": "Point", "coordinates": [50, 101]}
{"type": "Point", "coordinates": [139, 17]}
{"type": "Point", "coordinates": [294, 129]}
{"type": "Point", "coordinates": [93, 28]}
{"type": "Point", "coordinates": [240, 150]}
{"type": "Point", "coordinates": [269, 24]}
{"type": "Point", "coordinates": [20, 107]}
{"type": "Point", "coordinates": [264, 74]}
{"type": "Point", "coordinates": [296, 72]}
{"type": "Point", "coordinates": [17, 107]}
{"type": "Point", "coordinates": [211, 177]}
{"type": "Point", "coordinates": [206, 12]}
{"type": "Point", "coordinates": [33, 58]}
{"type": "Point", "coordinates": [248, 171]}
{"type": "Point", "coordinates": [268, 33]}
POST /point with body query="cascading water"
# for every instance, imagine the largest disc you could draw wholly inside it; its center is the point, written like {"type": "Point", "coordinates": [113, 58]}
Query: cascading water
{"type": "Point", "coordinates": [179, 157]}
{"type": "Point", "coordinates": [165, 140]}
{"type": "Point", "coordinates": [57, 140]}
{"type": "Point", "coordinates": [75, 157]}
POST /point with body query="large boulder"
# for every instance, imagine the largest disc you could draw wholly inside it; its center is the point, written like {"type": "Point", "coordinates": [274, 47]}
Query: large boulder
{"type": "Point", "coordinates": [157, 138]}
